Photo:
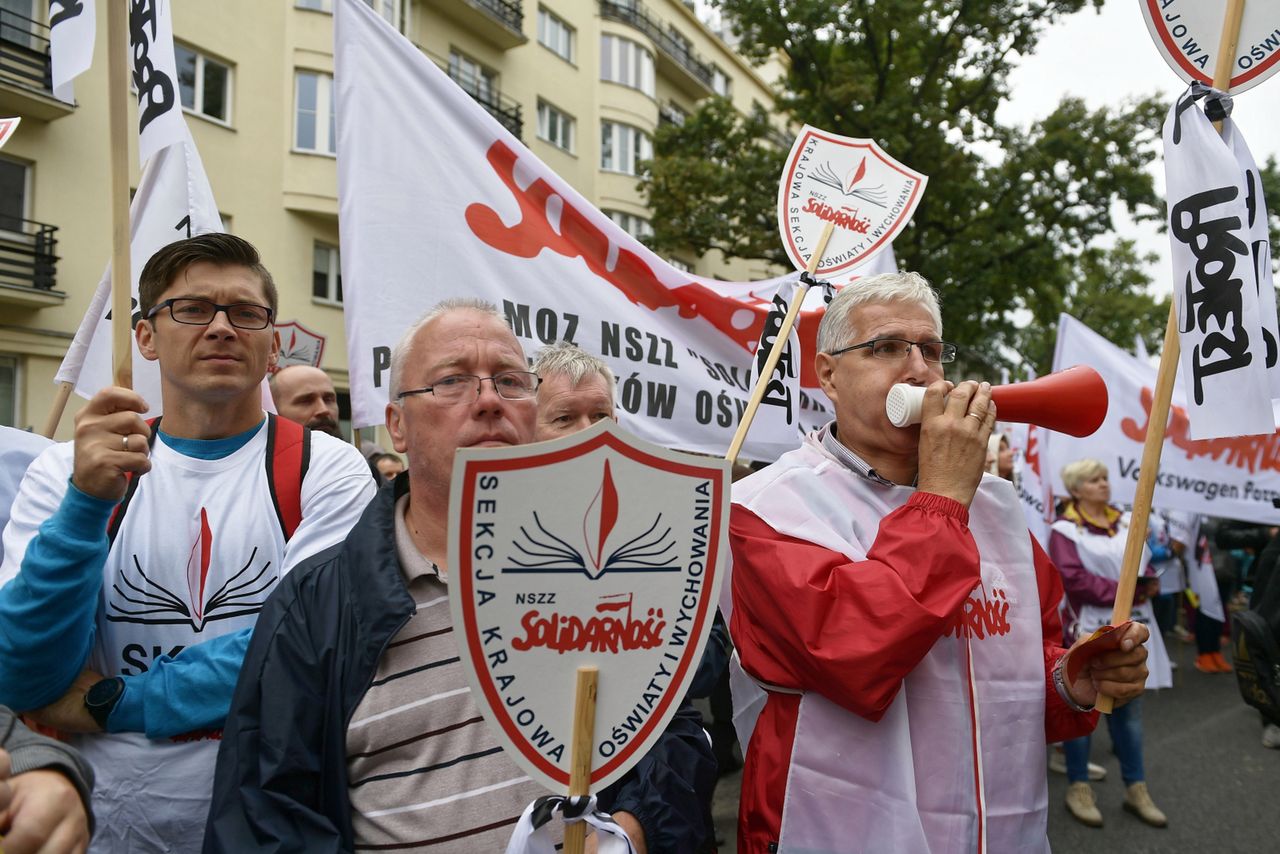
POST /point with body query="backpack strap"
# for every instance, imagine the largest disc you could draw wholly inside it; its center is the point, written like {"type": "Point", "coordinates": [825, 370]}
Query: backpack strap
{"type": "Point", "coordinates": [287, 459]}
{"type": "Point", "coordinates": [117, 515]}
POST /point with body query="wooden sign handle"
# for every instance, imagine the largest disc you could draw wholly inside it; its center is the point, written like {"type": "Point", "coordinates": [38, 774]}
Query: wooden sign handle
{"type": "Point", "coordinates": [775, 352]}
{"type": "Point", "coordinates": [1159, 418]}
{"type": "Point", "coordinates": [584, 725]}
{"type": "Point", "coordinates": [118, 112]}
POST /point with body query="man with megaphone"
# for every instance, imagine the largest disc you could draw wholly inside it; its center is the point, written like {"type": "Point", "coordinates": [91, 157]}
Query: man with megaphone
{"type": "Point", "coordinates": [896, 623]}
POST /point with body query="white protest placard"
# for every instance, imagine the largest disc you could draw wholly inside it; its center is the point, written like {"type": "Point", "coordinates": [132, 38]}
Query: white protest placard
{"type": "Point", "coordinates": [155, 76]}
{"type": "Point", "coordinates": [72, 24]}
{"type": "Point", "coordinates": [595, 549]}
{"type": "Point", "coordinates": [174, 200]}
{"type": "Point", "coordinates": [438, 200]}
{"type": "Point", "coordinates": [1224, 353]}
{"type": "Point", "coordinates": [7, 128]}
{"type": "Point", "coordinates": [1232, 477]}
{"type": "Point", "coordinates": [1187, 34]}
{"type": "Point", "coordinates": [852, 184]}
{"type": "Point", "coordinates": [298, 346]}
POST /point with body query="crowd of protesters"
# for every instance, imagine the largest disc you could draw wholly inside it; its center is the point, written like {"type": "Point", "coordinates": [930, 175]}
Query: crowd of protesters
{"type": "Point", "coordinates": [237, 622]}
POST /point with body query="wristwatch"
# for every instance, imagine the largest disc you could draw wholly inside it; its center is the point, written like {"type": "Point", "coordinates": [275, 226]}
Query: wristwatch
{"type": "Point", "coordinates": [102, 697]}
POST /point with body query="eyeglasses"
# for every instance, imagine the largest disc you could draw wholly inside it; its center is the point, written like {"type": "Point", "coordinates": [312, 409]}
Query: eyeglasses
{"type": "Point", "coordinates": [510, 385]}
{"type": "Point", "coordinates": [897, 349]}
{"type": "Point", "coordinates": [201, 312]}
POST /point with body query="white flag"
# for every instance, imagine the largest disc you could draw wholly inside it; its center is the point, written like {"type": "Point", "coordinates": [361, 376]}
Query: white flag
{"type": "Point", "coordinates": [1028, 445]}
{"type": "Point", "coordinates": [155, 76]}
{"type": "Point", "coordinates": [174, 200]}
{"type": "Point", "coordinates": [1259, 273]}
{"type": "Point", "coordinates": [1214, 283]}
{"type": "Point", "coordinates": [1235, 478]}
{"type": "Point", "coordinates": [72, 24]}
{"type": "Point", "coordinates": [438, 200]}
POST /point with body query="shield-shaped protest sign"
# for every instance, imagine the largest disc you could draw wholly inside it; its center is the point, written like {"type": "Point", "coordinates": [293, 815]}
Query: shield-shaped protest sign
{"type": "Point", "coordinates": [851, 183]}
{"type": "Point", "coordinates": [596, 549]}
{"type": "Point", "coordinates": [299, 345]}
{"type": "Point", "coordinates": [1188, 32]}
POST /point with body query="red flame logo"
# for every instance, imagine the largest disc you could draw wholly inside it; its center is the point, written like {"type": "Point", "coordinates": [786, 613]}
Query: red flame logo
{"type": "Point", "coordinates": [851, 180]}
{"type": "Point", "coordinates": [198, 567]}
{"type": "Point", "coordinates": [606, 502]}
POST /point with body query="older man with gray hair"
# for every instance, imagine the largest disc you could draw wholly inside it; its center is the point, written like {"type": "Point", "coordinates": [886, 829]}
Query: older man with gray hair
{"type": "Point", "coordinates": [899, 622]}
{"type": "Point", "coordinates": [353, 725]}
{"type": "Point", "coordinates": [577, 390]}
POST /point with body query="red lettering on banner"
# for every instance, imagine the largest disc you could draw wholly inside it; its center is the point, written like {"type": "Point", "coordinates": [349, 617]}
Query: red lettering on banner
{"type": "Point", "coordinates": [577, 237]}
{"type": "Point", "coordinates": [1251, 453]}
{"type": "Point", "coordinates": [597, 634]}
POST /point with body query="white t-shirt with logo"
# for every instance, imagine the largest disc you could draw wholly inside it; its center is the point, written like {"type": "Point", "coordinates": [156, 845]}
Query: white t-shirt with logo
{"type": "Point", "coordinates": [198, 552]}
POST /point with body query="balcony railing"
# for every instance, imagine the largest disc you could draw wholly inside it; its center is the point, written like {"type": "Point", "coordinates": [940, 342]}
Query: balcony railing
{"type": "Point", "coordinates": [28, 253]}
{"type": "Point", "coordinates": [485, 93]}
{"type": "Point", "coordinates": [634, 14]}
{"type": "Point", "coordinates": [24, 52]}
{"type": "Point", "coordinates": [509, 13]}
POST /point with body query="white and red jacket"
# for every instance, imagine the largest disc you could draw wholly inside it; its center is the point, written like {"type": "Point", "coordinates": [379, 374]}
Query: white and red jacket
{"type": "Point", "coordinates": [881, 637]}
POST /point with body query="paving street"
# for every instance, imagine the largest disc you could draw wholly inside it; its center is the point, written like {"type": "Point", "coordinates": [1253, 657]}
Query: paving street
{"type": "Point", "coordinates": [1205, 765]}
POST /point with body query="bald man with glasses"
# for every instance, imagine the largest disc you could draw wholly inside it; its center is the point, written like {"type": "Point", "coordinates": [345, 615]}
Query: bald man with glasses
{"type": "Point", "coordinates": [138, 555]}
{"type": "Point", "coordinates": [896, 623]}
{"type": "Point", "coordinates": [353, 726]}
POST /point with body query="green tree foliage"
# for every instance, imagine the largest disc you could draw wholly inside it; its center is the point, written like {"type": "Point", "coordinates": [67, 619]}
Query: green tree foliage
{"type": "Point", "coordinates": [1016, 221]}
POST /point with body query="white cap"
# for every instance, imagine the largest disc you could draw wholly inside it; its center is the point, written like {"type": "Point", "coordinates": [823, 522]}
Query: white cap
{"type": "Point", "coordinates": [904, 404]}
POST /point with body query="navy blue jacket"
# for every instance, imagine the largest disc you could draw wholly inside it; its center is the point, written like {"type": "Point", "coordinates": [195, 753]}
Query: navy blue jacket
{"type": "Point", "coordinates": [281, 781]}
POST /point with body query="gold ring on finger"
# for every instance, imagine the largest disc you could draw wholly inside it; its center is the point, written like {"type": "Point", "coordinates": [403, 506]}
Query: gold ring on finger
{"type": "Point", "coordinates": [124, 442]}
{"type": "Point", "coordinates": [974, 415]}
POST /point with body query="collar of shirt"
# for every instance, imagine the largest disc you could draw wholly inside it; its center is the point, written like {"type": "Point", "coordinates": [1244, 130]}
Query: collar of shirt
{"type": "Point", "coordinates": [413, 564]}
{"type": "Point", "coordinates": [833, 446]}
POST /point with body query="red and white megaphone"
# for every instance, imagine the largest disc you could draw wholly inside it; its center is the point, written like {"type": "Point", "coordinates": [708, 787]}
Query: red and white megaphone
{"type": "Point", "coordinates": [1073, 401]}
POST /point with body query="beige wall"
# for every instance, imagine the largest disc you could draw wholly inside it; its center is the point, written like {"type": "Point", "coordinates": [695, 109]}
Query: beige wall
{"type": "Point", "coordinates": [283, 200]}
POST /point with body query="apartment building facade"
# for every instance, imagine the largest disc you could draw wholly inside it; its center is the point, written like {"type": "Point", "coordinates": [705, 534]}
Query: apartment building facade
{"type": "Point", "coordinates": [584, 83]}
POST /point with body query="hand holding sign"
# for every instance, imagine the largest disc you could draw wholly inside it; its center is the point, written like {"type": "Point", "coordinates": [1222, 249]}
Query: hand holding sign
{"type": "Point", "coordinates": [1111, 661]}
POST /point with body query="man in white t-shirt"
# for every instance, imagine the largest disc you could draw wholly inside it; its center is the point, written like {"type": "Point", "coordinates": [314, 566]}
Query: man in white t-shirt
{"type": "Point", "coordinates": [138, 555]}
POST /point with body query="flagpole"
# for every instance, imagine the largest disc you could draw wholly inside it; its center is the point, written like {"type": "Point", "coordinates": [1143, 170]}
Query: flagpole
{"type": "Point", "coordinates": [55, 411]}
{"type": "Point", "coordinates": [775, 352]}
{"type": "Point", "coordinates": [584, 724]}
{"type": "Point", "coordinates": [1163, 394]}
{"type": "Point", "coordinates": [118, 112]}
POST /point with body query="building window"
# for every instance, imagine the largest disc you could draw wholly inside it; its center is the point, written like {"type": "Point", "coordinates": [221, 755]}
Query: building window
{"type": "Point", "coordinates": [622, 147]}
{"type": "Point", "coordinates": [9, 391]}
{"type": "Point", "coordinates": [314, 128]}
{"type": "Point", "coordinates": [15, 179]}
{"type": "Point", "coordinates": [315, 5]}
{"type": "Point", "coordinates": [682, 266]}
{"type": "Point", "coordinates": [555, 127]}
{"type": "Point", "coordinates": [204, 84]}
{"type": "Point", "coordinates": [720, 82]}
{"type": "Point", "coordinates": [555, 34]}
{"type": "Point", "coordinates": [672, 114]}
{"type": "Point", "coordinates": [476, 80]}
{"type": "Point", "coordinates": [625, 62]}
{"type": "Point", "coordinates": [637, 226]}
{"type": "Point", "coordinates": [326, 273]}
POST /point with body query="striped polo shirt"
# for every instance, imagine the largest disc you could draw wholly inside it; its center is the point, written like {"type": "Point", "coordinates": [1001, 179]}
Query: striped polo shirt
{"type": "Point", "coordinates": [425, 769]}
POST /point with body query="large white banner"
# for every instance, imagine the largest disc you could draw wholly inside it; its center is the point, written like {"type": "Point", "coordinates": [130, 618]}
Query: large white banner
{"type": "Point", "coordinates": [1215, 279]}
{"type": "Point", "coordinates": [71, 32]}
{"type": "Point", "coordinates": [1231, 477]}
{"type": "Point", "coordinates": [438, 200]}
{"type": "Point", "coordinates": [174, 200]}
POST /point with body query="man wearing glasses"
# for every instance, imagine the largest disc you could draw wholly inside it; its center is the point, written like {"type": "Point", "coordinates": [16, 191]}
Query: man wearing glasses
{"type": "Point", "coordinates": [128, 628]}
{"type": "Point", "coordinates": [897, 622]}
{"type": "Point", "coordinates": [353, 726]}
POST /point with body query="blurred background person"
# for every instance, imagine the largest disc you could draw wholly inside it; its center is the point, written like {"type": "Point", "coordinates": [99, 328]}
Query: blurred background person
{"type": "Point", "coordinates": [1087, 545]}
